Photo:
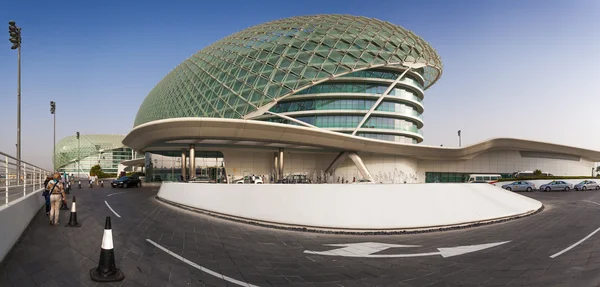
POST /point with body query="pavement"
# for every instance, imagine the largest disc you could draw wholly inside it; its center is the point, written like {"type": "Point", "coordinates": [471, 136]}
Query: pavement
{"type": "Point", "coordinates": [157, 244]}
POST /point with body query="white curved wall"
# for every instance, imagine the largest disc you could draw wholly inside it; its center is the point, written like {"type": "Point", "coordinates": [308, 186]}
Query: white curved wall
{"type": "Point", "coordinates": [15, 217]}
{"type": "Point", "coordinates": [507, 162]}
{"type": "Point", "coordinates": [353, 206]}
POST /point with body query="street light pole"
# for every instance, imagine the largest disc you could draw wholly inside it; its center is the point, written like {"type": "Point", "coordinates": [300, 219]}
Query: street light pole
{"type": "Point", "coordinates": [53, 112]}
{"type": "Point", "coordinates": [78, 155]}
{"type": "Point", "coordinates": [15, 39]}
{"type": "Point", "coordinates": [459, 138]}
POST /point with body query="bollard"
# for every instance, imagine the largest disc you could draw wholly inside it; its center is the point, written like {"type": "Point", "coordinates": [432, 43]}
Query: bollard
{"type": "Point", "coordinates": [102, 183]}
{"type": "Point", "coordinates": [107, 270]}
{"type": "Point", "coordinates": [79, 185]}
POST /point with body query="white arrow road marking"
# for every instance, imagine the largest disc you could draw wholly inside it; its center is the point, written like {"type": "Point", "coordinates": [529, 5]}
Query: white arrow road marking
{"type": "Point", "coordinates": [575, 244]}
{"type": "Point", "coordinates": [363, 250]}
{"type": "Point", "coordinates": [112, 209]}
{"type": "Point", "coordinates": [213, 273]}
{"type": "Point", "coordinates": [592, 202]}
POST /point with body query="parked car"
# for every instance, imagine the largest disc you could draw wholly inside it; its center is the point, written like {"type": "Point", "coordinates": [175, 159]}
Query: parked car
{"type": "Point", "coordinates": [202, 179]}
{"type": "Point", "coordinates": [295, 178]}
{"type": "Point", "coordinates": [556, 185]}
{"type": "Point", "coordinates": [587, 184]}
{"type": "Point", "coordinates": [519, 186]}
{"type": "Point", "coordinates": [250, 179]}
{"type": "Point", "coordinates": [127, 181]}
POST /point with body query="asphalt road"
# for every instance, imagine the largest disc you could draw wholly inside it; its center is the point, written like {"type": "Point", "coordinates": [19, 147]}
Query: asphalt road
{"type": "Point", "coordinates": [160, 245]}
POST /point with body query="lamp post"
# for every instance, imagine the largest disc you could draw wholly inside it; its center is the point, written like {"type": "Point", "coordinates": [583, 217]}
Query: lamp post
{"type": "Point", "coordinates": [53, 112]}
{"type": "Point", "coordinates": [15, 39]}
{"type": "Point", "coordinates": [78, 154]}
{"type": "Point", "coordinates": [459, 138]}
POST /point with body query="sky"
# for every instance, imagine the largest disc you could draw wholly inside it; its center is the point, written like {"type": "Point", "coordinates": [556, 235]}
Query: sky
{"type": "Point", "coordinates": [521, 69]}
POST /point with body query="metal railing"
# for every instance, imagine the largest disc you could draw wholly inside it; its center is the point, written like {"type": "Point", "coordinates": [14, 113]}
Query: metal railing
{"type": "Point", "coordinates": [19, 178]}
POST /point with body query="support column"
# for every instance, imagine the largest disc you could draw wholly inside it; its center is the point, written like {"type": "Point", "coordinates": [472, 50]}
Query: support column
{"type": "Point", "coordinates": [148, 170]}
{"type": "Point", "coordinates": [341, 157]}
{"type": "Point", "coordinates": [183, 167]}
{"type": "Point", "coordinates": [192, 161]}
{"type": "Point", "coordinates": [362, 168]}
{"type": "Point", "coordinates": [276, 167]}
{"type": "Point", "coordinates": [280, 163]}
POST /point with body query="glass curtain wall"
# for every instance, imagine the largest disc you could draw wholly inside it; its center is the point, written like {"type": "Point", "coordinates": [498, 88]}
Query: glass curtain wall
{"type": "Point", "coordinates": [166, 166]}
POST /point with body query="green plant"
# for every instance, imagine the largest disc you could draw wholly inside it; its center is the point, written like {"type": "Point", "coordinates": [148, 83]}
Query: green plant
{"type": "Point", "coordinates": [537, 172]}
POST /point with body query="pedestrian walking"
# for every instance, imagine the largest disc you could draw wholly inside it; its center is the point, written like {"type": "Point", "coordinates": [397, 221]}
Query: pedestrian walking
{"type": "Point", "coordinates": [46, 194]}
{"type": "Point", "coordinates": [57, 193]}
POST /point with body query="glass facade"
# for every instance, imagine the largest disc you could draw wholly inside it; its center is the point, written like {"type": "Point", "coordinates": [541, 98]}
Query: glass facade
{"type": "Point", "coordinates": [433, 177]}
{"type": "Point", "coordinates": [283, 59]}
{"type": "Point", "coordinates": [246, 70]}
{"type": "Point", "coordinates": [166, 166]}
{"type": "Point", "coordinates": [343, 104]}
{"type": "Point", "coordinates": [106, 150]}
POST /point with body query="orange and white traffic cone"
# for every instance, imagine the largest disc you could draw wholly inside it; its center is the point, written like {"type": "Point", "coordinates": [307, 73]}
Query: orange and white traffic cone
{"type": "Point", "coordinates": [107, 271]}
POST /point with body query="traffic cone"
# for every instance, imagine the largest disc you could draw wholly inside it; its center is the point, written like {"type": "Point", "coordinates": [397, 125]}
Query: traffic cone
{"type": "Point", "coordinates": [73, 217]}
{"type": "Point", "coordinates": [107, 271]}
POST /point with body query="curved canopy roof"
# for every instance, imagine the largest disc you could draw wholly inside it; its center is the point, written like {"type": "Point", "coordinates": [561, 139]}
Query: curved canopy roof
{"type": "Point", "coordinates": [67, 150]}
{"type": "Point", "coordinates": [249, 69]}
{"type": "Point", "coordinates": [167, 133]}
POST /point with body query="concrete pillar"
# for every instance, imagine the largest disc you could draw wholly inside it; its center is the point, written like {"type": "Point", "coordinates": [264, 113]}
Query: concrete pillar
{"type": "Point", "coordinates": [148, 169]}
{"type": "Point", "coordinates": [192, 161]}
{"type": "Point", "coordinates": [280, 163]}
{"type": "Point", "coordinates": [276, 167]}
{"type": "Point", "coordinates": [183, 173]}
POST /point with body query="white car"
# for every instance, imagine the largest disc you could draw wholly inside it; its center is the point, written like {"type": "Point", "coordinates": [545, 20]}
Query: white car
{"type": "Point", "coordinates": [250, 180]}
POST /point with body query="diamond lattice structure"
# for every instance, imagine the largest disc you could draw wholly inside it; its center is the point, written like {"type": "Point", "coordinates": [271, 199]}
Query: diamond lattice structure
{"type": "Point", "coordinates": [252, 68]}
{"type": "Point", "coordinates": [69, 149]}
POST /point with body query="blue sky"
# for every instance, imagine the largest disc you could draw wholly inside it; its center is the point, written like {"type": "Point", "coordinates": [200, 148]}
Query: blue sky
{"type": "Point", "coordinates": [524, 69]}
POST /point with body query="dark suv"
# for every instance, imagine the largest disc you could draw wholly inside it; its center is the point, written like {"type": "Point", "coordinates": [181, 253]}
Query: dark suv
{"type": "Point", "coordinates": [127, 181]}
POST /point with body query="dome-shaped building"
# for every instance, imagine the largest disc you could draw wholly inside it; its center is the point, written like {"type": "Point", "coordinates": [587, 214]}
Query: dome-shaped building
{"type": "Point", "coordinates": [317, 90]}
{"type": "Point", "coordinates": [342, 73]}
{"type": "Point", "coordinates": [78, 155]}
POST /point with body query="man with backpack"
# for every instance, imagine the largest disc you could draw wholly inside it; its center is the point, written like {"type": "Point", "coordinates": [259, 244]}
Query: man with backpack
{"type": "Point", "coordinates": [57, 193]}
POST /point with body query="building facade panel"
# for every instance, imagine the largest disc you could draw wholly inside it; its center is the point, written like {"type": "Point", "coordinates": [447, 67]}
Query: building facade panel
{"type": "Point", "coordinates": [315, 55]}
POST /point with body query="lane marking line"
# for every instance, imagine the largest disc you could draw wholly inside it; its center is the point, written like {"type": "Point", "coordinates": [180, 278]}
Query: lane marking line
{"type": "Point", "coordinates": [112, 209]}
{"type": "Point", "coordinates": [592, 202]}
{"type": "Point", "coordinates": [576, 243]}
{"type": "Point", "coordinates": [117, 193]}
{"type": "Point", "coordinates": [203, 269]}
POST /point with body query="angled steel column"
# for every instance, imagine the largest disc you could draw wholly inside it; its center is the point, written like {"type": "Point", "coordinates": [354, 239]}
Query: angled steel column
{"type": "Point", "coordinates": [376, 104]}
{"type": "Point", "coordinates": [362, 168]}
{"type": "Point", "coordinates": [192, 161]}
{"type": "Point", "coordinates": [341, 157]}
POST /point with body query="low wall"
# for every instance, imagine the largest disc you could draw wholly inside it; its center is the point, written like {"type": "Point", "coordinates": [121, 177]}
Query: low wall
{"type": "Point", "coordinates": [15, 217]}
{"type": "Point", "coordinates": [353, 206]}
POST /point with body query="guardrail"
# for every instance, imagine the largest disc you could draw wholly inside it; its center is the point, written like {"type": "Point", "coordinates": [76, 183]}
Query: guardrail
{"type": "Point", "coordinates": [19, 178]}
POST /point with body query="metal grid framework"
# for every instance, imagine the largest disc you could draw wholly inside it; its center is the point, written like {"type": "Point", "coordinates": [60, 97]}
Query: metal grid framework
{"type": "Point", "coordinates": [242, 72]}
{"type": "Point", "coordinates": [67, 150]}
